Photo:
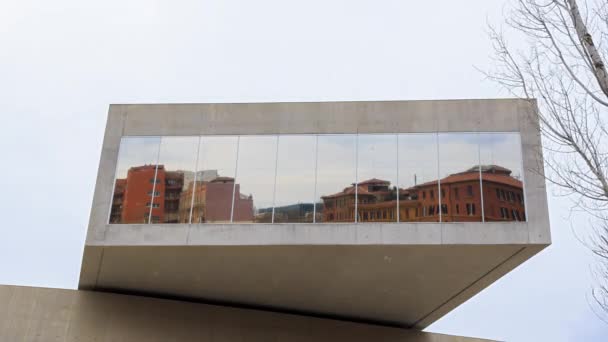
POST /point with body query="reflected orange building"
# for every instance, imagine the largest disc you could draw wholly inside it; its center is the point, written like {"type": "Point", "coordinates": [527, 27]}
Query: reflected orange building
{"type": "Point", "coordinates": [170, 199]}
{"type": "Point", "coordinates": [134, 195]}
{"type": "Point", "coordinates": [461, 198]}
{"type": "Point", "coordinates": [118, 200]}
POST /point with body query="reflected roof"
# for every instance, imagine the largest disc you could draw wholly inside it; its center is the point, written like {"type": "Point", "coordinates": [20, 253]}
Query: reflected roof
{"type": "Point", "coordinates": [489, 173]}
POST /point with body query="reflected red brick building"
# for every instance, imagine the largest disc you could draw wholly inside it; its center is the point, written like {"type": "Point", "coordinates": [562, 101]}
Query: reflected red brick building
{"type": "Point", "coordinates": [133, 196]}
{"type": "Point", "coordinates": [461, 199]}
{"type": "Point", "coordinates": [136, 194]}
{"type": "Point", "coordinates": [170, 199]}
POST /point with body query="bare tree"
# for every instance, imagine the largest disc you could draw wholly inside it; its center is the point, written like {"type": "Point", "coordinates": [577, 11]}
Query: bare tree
{"type": "Point", "coordinates": [564, 68]}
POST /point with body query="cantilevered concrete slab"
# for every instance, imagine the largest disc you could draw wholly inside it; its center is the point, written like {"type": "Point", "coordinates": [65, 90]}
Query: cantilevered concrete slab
{"type": "Point", "coordinates": [403, 274]}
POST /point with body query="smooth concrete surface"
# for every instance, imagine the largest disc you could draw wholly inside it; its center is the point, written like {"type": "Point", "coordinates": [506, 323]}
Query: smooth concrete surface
{"type": "Point", "coordinates": [463, 258]}
{"type": "Point", "coordinates": [45, 315]}
{"type": "Point", "coordinates": [405, 286]}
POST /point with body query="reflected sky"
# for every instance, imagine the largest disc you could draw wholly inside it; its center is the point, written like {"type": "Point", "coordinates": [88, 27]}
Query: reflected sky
{"type": "Point", "coordinates": [256, 168]}
{"type": "Point", "coordinates": [502, 149]}
{"type": "Point", "coordinates": [136, 151]}
{"type": "Point", "coordinates": [336, 163]}
{"type": "Point", "coordinates": [295, 169]}
{"type": "Point", "coordinates": [178, 153]}
{"type": "Point", "coordinates": [417, 159]}
{"type": "Point", "coordinates": [218, 153]}
{"type": "Point", "coordinates": [457, 152]}
{"type": "Point", "coordinates": [377, 157]}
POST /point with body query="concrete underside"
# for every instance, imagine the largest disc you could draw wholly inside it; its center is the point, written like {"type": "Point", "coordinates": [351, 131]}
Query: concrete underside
{"type": "Point", "coordinates": [407, 286]}
{"type": "Point", "coordinates": [40, 314]}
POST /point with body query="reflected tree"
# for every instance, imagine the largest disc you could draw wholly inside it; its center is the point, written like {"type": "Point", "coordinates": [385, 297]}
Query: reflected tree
{"type": "Point", "coordinates": [564, 69]}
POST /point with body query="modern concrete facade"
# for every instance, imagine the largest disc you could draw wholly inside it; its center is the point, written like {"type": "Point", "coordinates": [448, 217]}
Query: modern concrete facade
{"type": "Point", "coordinates": [375, 275]}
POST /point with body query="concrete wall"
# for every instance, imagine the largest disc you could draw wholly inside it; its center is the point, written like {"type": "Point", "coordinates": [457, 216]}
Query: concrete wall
{"type": "Point", "coordinates": [45, 315]}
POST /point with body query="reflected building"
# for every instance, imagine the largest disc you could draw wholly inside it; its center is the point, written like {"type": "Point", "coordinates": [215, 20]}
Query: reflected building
{"type": "Point", "coordinates": [118, 200]}
{"type": "Point", "coordinates": [377, 202]}
{"type": "Point", "coordinates": [339, 207]}
{"type": "Point", "coordinates": [148, 193]}
{"type": "Point", "coordinates": [212, 202]}
{"type": "Point", "coordinates": [142, 198]}
{"type": "Point", "coordinates": [174, 182]}
{"type": "Point", "coordinates": [461, 196]}
{"type": "Point", "coordinates": [293, 213]}
{"type": "Point", "coordinates": [503, 194]}
{"type": "Point", "coordinates": [204, 175]}
{"type": "Point", "coordinates": [133, 196]}
{"type": "Point", "coordinates": [458, 200]}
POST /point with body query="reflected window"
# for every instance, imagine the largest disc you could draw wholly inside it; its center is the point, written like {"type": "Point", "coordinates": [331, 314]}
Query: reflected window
{"type": "Point", "coordinates": [418, 174]}
{"type": "Point", "coordinates": [134, 181]}
{"type": "Point", "coordinates": [502, 177]}
{"type": "Point", "coordinates": [175, 173]}
{"type": "Point", "coordinates": [377, 176]}
{"type": "Point", "coordinates": [336, 177]}
{"type": "Point", "coordinates": [295, 183]}
{"type": "Point", "coordinates": [213, 184]}
{"type": "Point", "coordinates": [459, 168]}
{"type": "Point", "coordinates": [255, 178]}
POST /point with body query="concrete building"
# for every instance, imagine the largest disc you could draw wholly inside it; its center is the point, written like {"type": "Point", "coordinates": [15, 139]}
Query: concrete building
{"type": "Point", "coordinates": [287, 269]}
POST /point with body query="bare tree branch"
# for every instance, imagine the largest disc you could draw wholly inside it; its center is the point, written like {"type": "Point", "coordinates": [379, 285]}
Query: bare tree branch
{"type": "Point", "coordinates": [564, 70]}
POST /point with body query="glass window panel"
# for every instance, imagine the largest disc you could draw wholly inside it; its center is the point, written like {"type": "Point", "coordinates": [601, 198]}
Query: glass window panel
{"type": "Point", "coordinates": [418, 175]}
{"type": "Point", "coordinates": [295, 189]}
{"type": "Point", "coordinates": [377, 178]}
{"type": "Point", "coordinates": [502, 177]}
{"type": "Point", "coordinates": [174, 180]}
{"type": "Point", "coordinates": [460, 193]}
{"type": "Point", "coordinates": [134, 182]}
{"type": "Point", "coordinates": [254, 191]}
{"type": "Point", "coordinates": [214, 186]}
{"type": "Point", "coordinates": [336, 174]}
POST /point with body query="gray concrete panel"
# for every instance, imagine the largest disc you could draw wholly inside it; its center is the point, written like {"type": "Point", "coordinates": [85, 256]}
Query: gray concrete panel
{"type": "Point", "coordinates": [45, 315]}
{"type": "Point", "coordinates": [399, 285]}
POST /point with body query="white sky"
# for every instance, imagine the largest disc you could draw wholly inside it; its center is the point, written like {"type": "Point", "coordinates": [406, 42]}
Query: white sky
{"type": "Point", "coordinates": [62, 62]}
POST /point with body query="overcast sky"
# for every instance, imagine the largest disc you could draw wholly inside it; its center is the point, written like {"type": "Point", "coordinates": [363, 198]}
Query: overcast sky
{"type": "Point", "coordinates": [62, 62]}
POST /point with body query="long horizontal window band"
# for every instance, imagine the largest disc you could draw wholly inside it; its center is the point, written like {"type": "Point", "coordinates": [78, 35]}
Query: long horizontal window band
{"type": "Point", "coordinates": [319, 178]}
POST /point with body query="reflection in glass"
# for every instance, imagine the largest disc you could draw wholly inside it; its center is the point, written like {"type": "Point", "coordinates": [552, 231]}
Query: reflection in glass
{"type": "Point", "coordinates": [377, 178]}
{"type": "Point", "coordinates": [295, 184]}
{"type": "Point", "coordinates": [213, 183]}
{"type": "Point", "coordinates": [256, 169]}
{"type": "Point", "coordinates": [502, 177]}
{"type": "Point", "coordinates": [425, 177]}
{"type": "Point", "coordinates": [135, 183]}
{"type": "Point", "coordinates": [336, 176]}
{"type": "Point", "coordinates": [460, 195]}
{"type": "Point", "coordinates": [176, 170]}
{"type": "Point", "coordinates": [418, 175]}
